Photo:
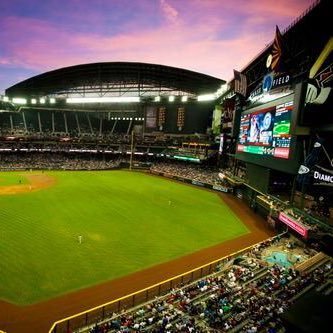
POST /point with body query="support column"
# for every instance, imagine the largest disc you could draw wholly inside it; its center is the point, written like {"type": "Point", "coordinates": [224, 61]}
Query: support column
{"type": "Point", "coordinates": [53, 125]}
{"type": "Point", "coordinates": [89, 122]}
{"type": "Point", "coordinates": [114, 126]}
{"type": "Point", "coordinates": [100, 126]}
{"type": "Point", "coordinates": [129, 126]}
{"type": "Point", "coordinates": [24, 122]}
{"type": "Point", "coordinates": [65, 121]}
{"type": "Point", "coordinates": [39, 123]}
{"type": "Point", "coordinates": [11, 122]}
{"type": "Point", "coordinates": [77, 123]}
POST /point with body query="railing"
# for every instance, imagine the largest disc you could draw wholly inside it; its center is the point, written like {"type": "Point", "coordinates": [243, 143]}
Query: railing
{"type": "Point", "coordinates": [104, 311]}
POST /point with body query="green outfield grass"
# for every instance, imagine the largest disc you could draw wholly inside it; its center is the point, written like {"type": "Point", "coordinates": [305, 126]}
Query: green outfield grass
{"type": "Point", "coordinates": [8, 179]}
{"type": "Point", "coordinates": [126, 222]}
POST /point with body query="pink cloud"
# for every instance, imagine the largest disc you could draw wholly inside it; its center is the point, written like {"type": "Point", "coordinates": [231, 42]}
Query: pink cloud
{"type": "Point", "coordinates": [194, 38]}
{"type": "Point", "coordinates": [269, 9]}
{"type": "Point", "coordinates": [170, 12]}
{"type": "Point", "coordinates": [4, 61]}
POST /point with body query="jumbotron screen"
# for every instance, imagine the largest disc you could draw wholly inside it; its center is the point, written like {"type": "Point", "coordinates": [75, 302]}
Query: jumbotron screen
{"type": "Point", "coordinates": [266, 132]}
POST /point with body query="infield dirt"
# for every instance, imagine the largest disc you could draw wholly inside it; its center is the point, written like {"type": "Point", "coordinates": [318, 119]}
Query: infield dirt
{"type": "Point", "coordinates": [36, 183]}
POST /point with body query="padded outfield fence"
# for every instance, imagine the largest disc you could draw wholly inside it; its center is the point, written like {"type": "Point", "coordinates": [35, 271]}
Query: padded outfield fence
{"type": "Point", "coordinates": [103, 312]}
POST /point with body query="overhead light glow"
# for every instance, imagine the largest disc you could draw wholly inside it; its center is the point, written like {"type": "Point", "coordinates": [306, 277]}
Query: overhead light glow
{"type": "Point", "coordinates": [18, 100]}
{"type": "Point", "coordinates": [184, 99]}
{"type": "Point", "coordinates": [52, 100]}
{"type": "Point", "coordinates": [221, 90]}
{"type": "Point", "coordinates": [123, 99]}
{"type": "Point", "coordinates": [157, 99]}
{"type": "Point", "coordinates": [208, 97]}
{"type": "Point", "coordinates": [33, 101]}
{"type": "Point", "coordinates": [171, 98]}
{"type": "Point", "coordinates": [42, 100]}
{"type": "Point", "coordinates": [5, 98]}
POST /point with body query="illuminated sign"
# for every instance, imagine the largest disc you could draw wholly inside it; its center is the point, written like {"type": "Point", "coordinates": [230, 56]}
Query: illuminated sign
{"type": "Point", "coordinates": [293, 224]}
{"type": "Point", "coordinates": [186, 158]}
{"type": "Point", "coordinates": [326, 178]}
{"type": "Point", "coordinates": [270, 82]}
{"type": "Point", "coordinates": [266, 131]}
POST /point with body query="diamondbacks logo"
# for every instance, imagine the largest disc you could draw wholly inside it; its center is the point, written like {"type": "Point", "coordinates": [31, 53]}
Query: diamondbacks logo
{"type": "Point", "coordinates": [303, 170]}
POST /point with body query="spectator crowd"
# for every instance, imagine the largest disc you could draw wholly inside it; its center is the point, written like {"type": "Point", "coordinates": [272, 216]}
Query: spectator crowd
{"type": "Point", "coordinates": [203, 174]}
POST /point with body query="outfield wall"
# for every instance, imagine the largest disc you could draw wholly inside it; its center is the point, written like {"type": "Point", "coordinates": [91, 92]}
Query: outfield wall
{"type": "Point", "coordinates": [84, 321]}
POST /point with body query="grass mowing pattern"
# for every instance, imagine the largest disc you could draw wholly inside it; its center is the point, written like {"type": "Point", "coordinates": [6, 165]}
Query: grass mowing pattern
{"type": "Point", "coordinates": [126, 222]}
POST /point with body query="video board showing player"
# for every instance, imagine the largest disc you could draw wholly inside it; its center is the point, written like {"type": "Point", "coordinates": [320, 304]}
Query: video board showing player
{"type": "Point", "coordinates": [266, 132]}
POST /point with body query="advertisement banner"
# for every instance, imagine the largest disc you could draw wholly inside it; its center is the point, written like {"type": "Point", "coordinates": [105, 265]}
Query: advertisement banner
{"type": "Point", "coordinates": [293, 224]}
{"type": "Point", "coordinates": [220, 188]}
{"type": "Point", "coordinates": [195, 182]}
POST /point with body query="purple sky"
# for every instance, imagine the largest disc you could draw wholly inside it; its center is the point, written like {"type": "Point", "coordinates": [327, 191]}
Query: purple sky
{"type": "Point", "coordinates": [209, 36]}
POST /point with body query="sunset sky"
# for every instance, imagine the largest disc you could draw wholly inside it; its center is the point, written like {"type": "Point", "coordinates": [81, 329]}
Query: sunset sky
{"type": "Point", "coordinates": [208, 36]}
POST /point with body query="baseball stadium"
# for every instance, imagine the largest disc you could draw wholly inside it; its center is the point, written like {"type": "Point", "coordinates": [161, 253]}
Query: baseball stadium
{"type": "Point", "coordinates": [139, 197]}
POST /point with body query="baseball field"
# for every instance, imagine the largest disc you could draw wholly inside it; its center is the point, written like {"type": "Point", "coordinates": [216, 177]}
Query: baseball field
{"type": "Point", "coordinates": [64, 231]}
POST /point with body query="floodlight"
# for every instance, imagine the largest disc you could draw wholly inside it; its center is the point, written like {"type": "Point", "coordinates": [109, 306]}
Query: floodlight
{"type": "Point", "coordinates": [184, 99]}
{"type": "Point", "coordinates": [52, 100]}
{"type": "Point", "coordinates": [157, 99]}
{"type": "Point", "coordinates": [224, 87]}
{"type": "Point", "coordinates": [33, 101]}
{"type": "Point", "coordinates": [208, 97]}
{"type": "Point", "coordinates": [19, 100]}
{"type": "Point", "coordinates": [121, 99]}
{"type": "Point", "coordinates": [42, 100]}
{"type": "Point", "coordinates": [171, 98]}
{"type": "Point", "coordinates": [5, 98]}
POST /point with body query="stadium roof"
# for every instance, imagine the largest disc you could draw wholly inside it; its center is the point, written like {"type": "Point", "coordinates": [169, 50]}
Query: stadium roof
{"type": "Point", "coordinates": [116, 79]}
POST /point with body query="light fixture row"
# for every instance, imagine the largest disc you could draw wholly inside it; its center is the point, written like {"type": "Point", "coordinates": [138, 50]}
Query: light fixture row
{"type": "Point", "coordinates": [127, 118]}
{"type": "Point", "coordinates": [23, 101]}
{"type": "Point", "coordinates": [88, 100]}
